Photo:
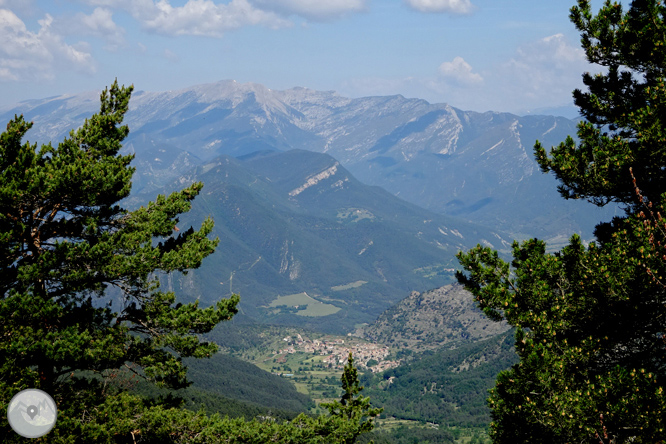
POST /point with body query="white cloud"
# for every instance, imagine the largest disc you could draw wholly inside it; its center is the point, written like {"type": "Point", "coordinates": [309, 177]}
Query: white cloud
{"type": "Point", "coordinates": [545, 69]}
{"type": "Point", "coordinates": [23, 7]}
{"type": "Point", "coordinates": [25, 55]}
{"type": "Point", "coordinates": [452, 6]}
{"type": "Point", "coordinates": [208, 18]}
{"type": "Point", "coordinates": [541, 74]}
{"type": "Point", "coordinates": [195, 17]}
{"type": "Point", "coordinates": [203, 17]}
{"type": "Point", "coordinates": [553, 48]}
{"type": "Point", "coordinates": [170, 55]}
{"type": "Point", "coordinates": [460, 72]}
{"type": "Point", "coordinates": [317, 10]}
{"type": "Point", "coordinates": [99, 24]}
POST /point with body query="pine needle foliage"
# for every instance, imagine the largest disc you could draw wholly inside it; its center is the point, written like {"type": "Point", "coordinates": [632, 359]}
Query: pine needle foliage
{"type": "Point", "coordinates": [64, 239]}
{"type": "Point", "coordinates": [590, 319]}
{"type": "Point", "coordinates": [353, 409]}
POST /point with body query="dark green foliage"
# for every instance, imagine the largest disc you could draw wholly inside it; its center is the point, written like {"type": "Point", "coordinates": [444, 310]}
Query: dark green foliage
{"type": "Point", "coordinates": [235, 336]}
{"type": "Point", "coordinates": [231, 387]}
{"type": "Point", "coordinates": [195, 399]}
{"type": "Point", "coordinates": [439, 388]}
{"type": "Point", "coordinates": [591, 319]}
{"type": "Point", "coordinates": [64, 239]}
{"type": "Point", "coordinates": [233, 378]}
{"type": "Point", "coordinates": [124, 418]}
{"type": "Point", "coordinates": [353, 409]}
{"type": "Point", "coordinates": [623, 107]}
{"type": "Point", "coordinates": [410, 435]}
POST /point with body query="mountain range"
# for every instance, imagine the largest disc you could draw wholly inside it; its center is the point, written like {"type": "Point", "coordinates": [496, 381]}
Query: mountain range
{"type": "Point", "coordinates": [478, 166]}
{"type": "Point", "coordinates": [342, 215]}
{"type": "Point", "coordinates": [330, 209]}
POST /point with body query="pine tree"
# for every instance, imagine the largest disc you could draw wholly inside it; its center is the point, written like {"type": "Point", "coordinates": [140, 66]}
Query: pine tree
{"type": "Point", "coordinates": [354, 410]}
{"type": "Point", "coordinates": [590, 320]}
{"type": "Point", "coordinates": [64, 241]}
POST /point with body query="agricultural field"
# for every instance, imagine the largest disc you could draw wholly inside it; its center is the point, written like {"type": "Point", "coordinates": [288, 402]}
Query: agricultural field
{"type": "Point", "coordinates": [348, 286]}
{"type": "Point", "coordinates": [354, 214]}
{"type": "Point", "coordinates": [302, 304]}
{"type": "Point", "coordinates": [431, 271]}
{"type": "Point", "coordinates": [313, 361]}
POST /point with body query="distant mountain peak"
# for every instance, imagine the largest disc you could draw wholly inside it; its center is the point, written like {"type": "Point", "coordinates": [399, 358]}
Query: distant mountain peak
{"type": "Point", "coordinates": [473, 165]}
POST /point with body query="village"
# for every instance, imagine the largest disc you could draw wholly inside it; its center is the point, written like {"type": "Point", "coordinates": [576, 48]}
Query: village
{"type": "Point", "coordinates": [335, 351]}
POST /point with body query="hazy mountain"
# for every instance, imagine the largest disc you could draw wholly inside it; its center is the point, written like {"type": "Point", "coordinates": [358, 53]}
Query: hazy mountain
{"type": "Point", "coordinates": [299, 223]}
{"type": "Point", "coordinates": [474, 165]}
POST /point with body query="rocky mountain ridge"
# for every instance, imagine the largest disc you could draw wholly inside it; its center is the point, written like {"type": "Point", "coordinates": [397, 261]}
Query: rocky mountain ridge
{"type": "Point", "coordinates": [478, 166]}
{"type": "Point", "coordinates": [305, 243]}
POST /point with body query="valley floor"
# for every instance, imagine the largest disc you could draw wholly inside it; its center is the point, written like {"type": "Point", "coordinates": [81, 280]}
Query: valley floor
{"type": "Point", "coordinates": [313, 363]}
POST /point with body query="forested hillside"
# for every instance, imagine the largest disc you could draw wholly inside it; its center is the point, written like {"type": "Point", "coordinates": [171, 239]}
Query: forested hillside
{"type": "Point", "coordinates": [305, 233]}
{"type": "Point", "coordinates": [445, 387]}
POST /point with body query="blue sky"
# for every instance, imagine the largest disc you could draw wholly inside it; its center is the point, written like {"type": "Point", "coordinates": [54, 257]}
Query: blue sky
{"type": "Point", "coordinates": [481, 55]}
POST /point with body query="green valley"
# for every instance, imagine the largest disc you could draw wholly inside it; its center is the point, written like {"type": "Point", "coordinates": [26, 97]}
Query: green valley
{"type": "Point", "coordinates": [302, 305]}
{"type": "Point", "coordinates": [428, 361]}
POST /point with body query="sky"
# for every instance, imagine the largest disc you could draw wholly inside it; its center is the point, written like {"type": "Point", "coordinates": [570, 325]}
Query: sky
{"type": "Point", "coordinates": [518, 56]}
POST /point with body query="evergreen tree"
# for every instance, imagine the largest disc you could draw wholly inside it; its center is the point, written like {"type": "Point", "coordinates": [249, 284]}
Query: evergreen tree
{"type": "Point", "coordinates": [353, 410]}
{"type": "Point", "coordinates": [64, 240]}
{"type": "Point", "coordinates": [590, 320]}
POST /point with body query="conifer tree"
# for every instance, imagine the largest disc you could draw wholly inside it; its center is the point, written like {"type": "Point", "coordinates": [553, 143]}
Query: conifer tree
{"type": "Point", "coordinates": [354, 410]}
{"type": "Point", "coordinates": [64, 240]}
{"type": "Point", "coordinates": [590, 320]}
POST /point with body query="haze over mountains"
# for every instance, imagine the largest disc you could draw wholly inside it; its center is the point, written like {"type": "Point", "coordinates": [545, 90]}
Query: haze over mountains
{"type": "Point", "coordinates": [288, 180]}
{"type": "Point", "coordinates": [478, 166]}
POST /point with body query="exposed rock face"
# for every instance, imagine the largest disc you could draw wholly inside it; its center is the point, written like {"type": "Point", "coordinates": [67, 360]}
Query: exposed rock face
{"type": "Point", "coordinates": [427, 321]}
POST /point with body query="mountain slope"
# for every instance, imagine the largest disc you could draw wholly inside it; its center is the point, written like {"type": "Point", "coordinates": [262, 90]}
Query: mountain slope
{"type": "Point", "coordinates": [447, 387]}
{"type": "Point", "coordinates": [298, 223]}
{"type": "Point", "coordinates": [475, 165]}
{"type": "Point", "coordinates": [229, 386]}
{"type": "Point", "coordinates": [230, 377]}
{"type": "Point", "coordinates": [431, 320]}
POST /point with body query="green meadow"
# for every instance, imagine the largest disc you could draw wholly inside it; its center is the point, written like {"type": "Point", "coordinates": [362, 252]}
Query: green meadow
{"type": "Point", "coordinates": [313, 307]}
